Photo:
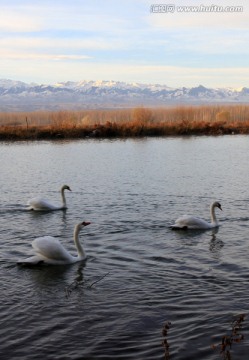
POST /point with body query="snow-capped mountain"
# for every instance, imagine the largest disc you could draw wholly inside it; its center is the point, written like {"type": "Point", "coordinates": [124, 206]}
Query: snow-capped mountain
{"type": "Point", "coordinates": [20, 96]}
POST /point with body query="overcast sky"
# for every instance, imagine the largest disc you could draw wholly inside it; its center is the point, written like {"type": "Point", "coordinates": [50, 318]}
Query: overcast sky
{"type": "Point", "coordinates": [48, 41]}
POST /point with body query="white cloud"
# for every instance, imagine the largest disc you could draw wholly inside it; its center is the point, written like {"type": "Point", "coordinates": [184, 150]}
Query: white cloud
{"type": "Point", "coordinates": [189, 76]}
{"type": "Point", "coordinates": [65, 16]}
{"type": "Point", "coordinates": [211, 42]}
{"type": "Point", "coordinates": [49, 71]}
{"type": "Point", "coordinates": [36, 43]}
{"type": "Point", "coordinates": [37, 56]}
{"type": "Point", "coordinates": [14, 21]}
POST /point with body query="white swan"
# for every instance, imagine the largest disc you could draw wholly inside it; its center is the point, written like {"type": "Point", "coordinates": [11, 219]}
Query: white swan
{"type": "Point", "coordinates": [191, 222]}
{"type": "Point", "coordinates": [49, 250]}
{"type": "Point", "coordinates": [39, 204]}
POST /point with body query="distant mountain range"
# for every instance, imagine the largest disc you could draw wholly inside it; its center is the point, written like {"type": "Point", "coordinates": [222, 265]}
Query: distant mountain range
{"type": "Point", "coordinates": [20, 96]}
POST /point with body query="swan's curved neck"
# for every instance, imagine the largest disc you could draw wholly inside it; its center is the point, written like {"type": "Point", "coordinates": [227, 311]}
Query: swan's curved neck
{"type": "Point", "coordinates": [212, 212]}
{"type": "Point", "coordinates": [81, 252]}
{"type": "Point", "coordinates": [64, 204]}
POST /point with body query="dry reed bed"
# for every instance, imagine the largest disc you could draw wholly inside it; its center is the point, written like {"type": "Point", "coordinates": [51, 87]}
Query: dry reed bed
{"type": "Point", "coordinates": [170, 121]}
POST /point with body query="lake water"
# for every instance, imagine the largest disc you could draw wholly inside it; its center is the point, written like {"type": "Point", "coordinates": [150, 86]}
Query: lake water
{"type": "Point", "coordinates": [139, 273]}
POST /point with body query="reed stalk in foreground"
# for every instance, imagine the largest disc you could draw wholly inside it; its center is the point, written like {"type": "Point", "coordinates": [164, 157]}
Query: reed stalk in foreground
{"type": "Point", "coordinates": [170, 121]}
{"type": "Point", "coordinates": [165, 340]}
{"type": "Point", "coordinates": [224, 348]}
{"type": "Point", "coordinates": [227, 341]}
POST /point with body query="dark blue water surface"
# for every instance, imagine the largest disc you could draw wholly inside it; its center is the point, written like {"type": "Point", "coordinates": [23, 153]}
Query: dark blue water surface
{"type": "Point", "coordinates": [139, 273]}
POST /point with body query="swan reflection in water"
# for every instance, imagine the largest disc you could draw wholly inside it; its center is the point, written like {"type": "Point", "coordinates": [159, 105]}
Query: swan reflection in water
{"type": "Point", "coordinates": [77, 281]}
{"type": "Point", "coordinates": [215, 244]}
{"type": "Point", "coordinates": [58, 281]}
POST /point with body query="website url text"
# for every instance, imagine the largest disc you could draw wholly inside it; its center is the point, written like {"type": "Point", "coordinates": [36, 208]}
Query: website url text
{"type": "Point", "coordinates": [171, 8]}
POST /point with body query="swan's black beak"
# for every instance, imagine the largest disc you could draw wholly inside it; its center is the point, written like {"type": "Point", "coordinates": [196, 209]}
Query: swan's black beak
{"type": "Point", "coordinates": [85, 223]}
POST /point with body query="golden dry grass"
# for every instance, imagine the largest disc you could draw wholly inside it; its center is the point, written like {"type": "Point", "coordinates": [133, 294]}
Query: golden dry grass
{"type": "Point", "coordinates": [180, 120]}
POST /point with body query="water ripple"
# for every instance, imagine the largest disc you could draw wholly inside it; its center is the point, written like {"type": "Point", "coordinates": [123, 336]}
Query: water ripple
{"type": "Point", "coordinates": [138, 274]}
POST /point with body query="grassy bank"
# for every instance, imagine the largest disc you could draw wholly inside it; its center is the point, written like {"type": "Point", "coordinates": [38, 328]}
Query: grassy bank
{"type": "Point", "coordinates": [170, 121]}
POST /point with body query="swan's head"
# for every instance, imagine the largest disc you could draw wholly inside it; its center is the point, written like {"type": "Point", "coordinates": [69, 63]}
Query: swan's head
{"type": "Point", "coordinates": [65, 187]}
{"type": "Point", "coordinates": [81, 225]}
{"type": "Point", "coordinates": [217, 204]}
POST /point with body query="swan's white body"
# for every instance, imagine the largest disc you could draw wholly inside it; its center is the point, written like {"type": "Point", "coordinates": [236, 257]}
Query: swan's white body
{"type": "Point", "coordinates": [191, 222]}
{"type": "Point", "coordinates": [39, 204]}
{"type": "Point", "coordinates": [49, 250]}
